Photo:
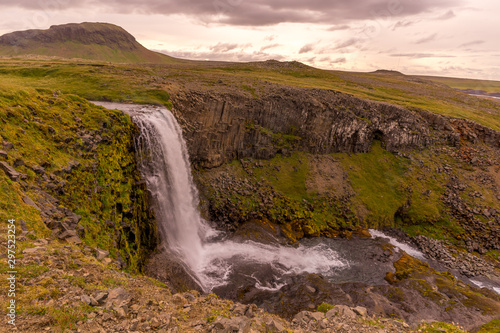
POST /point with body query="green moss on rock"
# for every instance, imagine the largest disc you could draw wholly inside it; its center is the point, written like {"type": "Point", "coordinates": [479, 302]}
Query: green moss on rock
{"type": "Point", "coordinates": [87, 154]}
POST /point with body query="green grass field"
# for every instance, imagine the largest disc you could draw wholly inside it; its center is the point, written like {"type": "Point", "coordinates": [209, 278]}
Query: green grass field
{"type": "Point", "coordinates": [458, 83]}
{"type": "Point", "coordinates": [143, 83]}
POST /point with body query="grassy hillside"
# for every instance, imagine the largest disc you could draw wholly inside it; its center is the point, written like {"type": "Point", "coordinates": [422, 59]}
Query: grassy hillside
{"type": "Point", "coordinates": [153, 83]}
{"type": "Point", "coordinates": [90, 80]}
{"type": "Point", "coordinates": [458, 83]}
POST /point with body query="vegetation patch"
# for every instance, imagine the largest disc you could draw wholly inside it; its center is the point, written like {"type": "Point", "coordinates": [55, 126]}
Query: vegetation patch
{"type": "Point", "coordinates": [324, 307]}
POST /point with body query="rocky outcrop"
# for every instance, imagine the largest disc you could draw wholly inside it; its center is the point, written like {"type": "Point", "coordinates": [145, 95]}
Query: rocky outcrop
{"type": "Point", "coordinates": [226, 126]}
{"type": "Point", "coordinates": [481, 236]}
{"type": "Point", "coordinates": [221, 126]}
{"type": "Point", "coordinates": [454, 130]}
{"type": "Point", "coordinates": [9, 171]}
{"type": "Point", "coordinates": [466, 263]}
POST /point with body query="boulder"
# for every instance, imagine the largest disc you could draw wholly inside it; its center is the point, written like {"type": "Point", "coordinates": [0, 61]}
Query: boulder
{"type": "Point", "coordinates": [67, 234]}
{"type": "Point", "coordinates": [8, 145]}
{"type": "Point", "coordinates": [27, 200]}
{"type": "Point", "coordinates": [74, 240]}
{"type": "Point", "coordinates": [101, 254]}
{"type": "Point", "coordinates": [341, 310]}
{"type": "Point", "coordinates": [273, 325]}
{"type": "Point", "coordinates": [24, 227]}
{"type": "Point", "coordinates": [3, 154]}
{"type": "Point", "coordinates": [9, 171]}
{"type": "Point", "coordinates": [235, 324]}
{"type": "Point", "coordinates": [34, 249]}
{"type": "Point", "coordinates": [360, 311]}
{"type": "Point", "coordinates": [117, 297]}
{"type": "Point", "coordinates": [19, 162]}
{"type": "Point", "coordinates": [38, 169]}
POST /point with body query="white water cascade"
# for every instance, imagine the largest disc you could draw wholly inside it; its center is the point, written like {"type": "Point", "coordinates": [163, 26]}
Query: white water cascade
{"type": "Point", "coordinates": [165, 167]}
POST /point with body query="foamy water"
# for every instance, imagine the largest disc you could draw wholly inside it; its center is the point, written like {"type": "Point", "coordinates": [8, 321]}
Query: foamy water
{"type": "Point", "coordinates": [399, 246]}
{"type": "Point", "coordinates": [223, 257]}
{"type": "Point", "coordinates": [486, 285]}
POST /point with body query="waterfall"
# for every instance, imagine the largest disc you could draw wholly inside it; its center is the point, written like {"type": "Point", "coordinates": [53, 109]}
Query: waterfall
{"type": "Point", "coordinates": [212, 262]}
{"type": "Point", "coordinates": [164, 164]}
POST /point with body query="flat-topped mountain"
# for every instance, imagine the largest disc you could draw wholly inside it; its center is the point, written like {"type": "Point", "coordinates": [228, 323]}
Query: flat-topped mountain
{"type": "Point", "coordinates": [95, 41]}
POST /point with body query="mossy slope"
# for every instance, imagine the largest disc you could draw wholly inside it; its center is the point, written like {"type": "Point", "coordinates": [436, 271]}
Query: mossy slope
{"type": "Point", "coordinates": [89, 165]}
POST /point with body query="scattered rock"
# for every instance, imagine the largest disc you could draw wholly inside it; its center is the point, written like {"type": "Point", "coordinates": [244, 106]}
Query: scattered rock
{"type": "Point", "coordinates": [38, 169]}
{"type": "Point", "coordinates": [117, 297]}
{"type": "Point", "coordinates": [101, 297]}
{"type": "Point", "coordinates": [341, 310]}
{"type": "Point", "coordinates": [360, 311]}
{"type": "Point", "coordinates": [9, 171]}
{"type": "Point", "coordinates": [85, 299]}
{"type": "Point", "coordinates": [18, 163]}
{"type": "Point", "coordinates": [3, 154]}
{"type": "Point", "coordinates": [235, 324]}
{"type": "Point", "coordinates": [101, 254]}
{"type": "Point", "coordinates": [74, 240]}
{"type": "Point", "coordinates": [274, 325]}
{"type": "Point", "coordinates": [34, 249]}
{"type": "Point", "coordinates": [27, 200]}
{"type": "Point", "coordinates": [24, 227]}
{"type": "Point", "coordinates": [8, 145]}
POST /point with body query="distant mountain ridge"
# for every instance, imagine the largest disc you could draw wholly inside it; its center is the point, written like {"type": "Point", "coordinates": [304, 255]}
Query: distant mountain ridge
{"type": "Point", "coordinates": [94, 41]}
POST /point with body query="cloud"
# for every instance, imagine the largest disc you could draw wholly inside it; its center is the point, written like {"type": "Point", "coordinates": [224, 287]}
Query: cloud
{"type": "Point", "coordinates": [306, 48]}
{"type": "Point", "coordinates": [403, 24]}
{"type": "Point", "coordinates": [339, 61]}
{"type": "Point", "coordinates": [252, 13]}
{"type": "Point", "coordinates": [339, 27]}
{"type": "Point", "coordinates": [237, 56]}
{"type": "Point", "coordinates": [347, 43]}
{"type": "Point", "coordinates": [269, 46]}
{"type": "Point", "coordinates": [311, 60]}
{"type": "Point", "coordinates": [225, 47]}
{"type": "Point", "coordinates": [421, 55]}
{"type": "Point", "coordinates": [474, 42]}
{"type": "Point", "coordinates": [427, 39]}
{"type": "Point", "coordinates": [446, 16]}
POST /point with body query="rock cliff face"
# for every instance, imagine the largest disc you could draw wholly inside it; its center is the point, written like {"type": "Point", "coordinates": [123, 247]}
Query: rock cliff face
{"type": "Point", "coordinates": [221, 126]}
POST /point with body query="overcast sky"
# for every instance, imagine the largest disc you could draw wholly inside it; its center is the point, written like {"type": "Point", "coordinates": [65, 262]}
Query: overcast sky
{"type": "Point", "coordinates": [432, 37]}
